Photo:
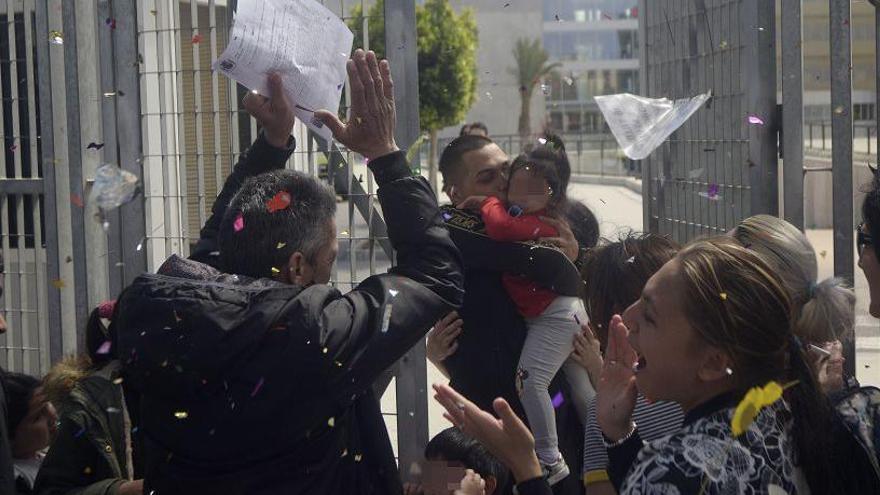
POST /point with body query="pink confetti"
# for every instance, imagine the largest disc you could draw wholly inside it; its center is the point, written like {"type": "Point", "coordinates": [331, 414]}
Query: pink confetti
{"type": "Point", "coordinates": [105, 347]}
{"type": "Point", "coordinates": [257, 387]}
{"type": "Point", "coordinates": [558, 400]}
{"type": "Point", "coordinates": [196, 39]}
{"type": "Point", "coordinates": [754, 119]}
{"type": "Point", "coordinates": [239, 223]}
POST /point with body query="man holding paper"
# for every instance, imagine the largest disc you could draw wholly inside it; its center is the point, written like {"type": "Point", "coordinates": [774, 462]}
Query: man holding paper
{"type": "Point", "coordinates": [257, 379]}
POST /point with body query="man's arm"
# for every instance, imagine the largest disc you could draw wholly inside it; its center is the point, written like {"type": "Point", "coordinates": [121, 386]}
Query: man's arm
{"type": "Point", "coordinates": [270, 151]}
{"type": "Point", "coordinates": [371, 327]}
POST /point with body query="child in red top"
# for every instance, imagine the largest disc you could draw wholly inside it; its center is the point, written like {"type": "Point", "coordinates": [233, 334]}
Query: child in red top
{"type": "Point", "coordinates": [534, 191]}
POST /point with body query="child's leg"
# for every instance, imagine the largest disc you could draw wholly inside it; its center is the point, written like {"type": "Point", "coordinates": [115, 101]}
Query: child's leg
{"type": "Point", "coordinates": [582, 389]}
{"type": "Point", "coordinates": [548, 344]}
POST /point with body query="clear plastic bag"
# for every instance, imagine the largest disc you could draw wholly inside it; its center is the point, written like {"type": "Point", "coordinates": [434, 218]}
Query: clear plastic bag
{"type": "Point", "coordinates": [113, 188]}
{"type": "Point", "coordinates": [641, 124]}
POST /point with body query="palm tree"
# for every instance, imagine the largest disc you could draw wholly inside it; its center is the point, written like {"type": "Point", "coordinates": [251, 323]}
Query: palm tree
{"type": "Point", "coordinates": [531, 67]}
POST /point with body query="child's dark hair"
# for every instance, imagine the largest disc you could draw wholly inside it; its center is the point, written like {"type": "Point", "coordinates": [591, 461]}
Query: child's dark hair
{"type": "Point", "coordinates": [453, 445]}
{"type": "Point", "coordinates": [19, 388]}
{"type": "Point", "coordinates": [550, 172]}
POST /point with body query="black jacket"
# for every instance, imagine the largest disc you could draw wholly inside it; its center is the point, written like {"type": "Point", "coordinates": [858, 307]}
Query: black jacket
{"type": "Point", "coordinates": [7, 472]}
{"type": "Point", "coordinates": [253, 386]}
{"type": "Point", "coordinates": [485, 364]}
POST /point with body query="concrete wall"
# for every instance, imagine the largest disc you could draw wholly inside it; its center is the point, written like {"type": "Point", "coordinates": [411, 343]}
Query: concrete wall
{"type": "Point", "coordinates": [498, 102]}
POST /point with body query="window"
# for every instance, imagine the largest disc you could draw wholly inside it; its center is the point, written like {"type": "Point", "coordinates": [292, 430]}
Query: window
{"type": "Point", "coordinates": [863, 111]}
{"type": "Point", "coordinates": [574, 122]}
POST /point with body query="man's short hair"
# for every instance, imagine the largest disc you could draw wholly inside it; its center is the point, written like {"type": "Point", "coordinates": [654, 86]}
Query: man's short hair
{"type": "Point", "coordinates": [453, 445]}
{"type": "Point", "coordinates": [266, 239]}
{"type": "Point", "coordinates": [451, 158]}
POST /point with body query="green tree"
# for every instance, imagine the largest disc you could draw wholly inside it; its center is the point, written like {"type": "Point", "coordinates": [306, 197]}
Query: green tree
{"type": "Point", "coordinates": [447, 51]}
{"type": "Point", "coordinates": [531, 67]}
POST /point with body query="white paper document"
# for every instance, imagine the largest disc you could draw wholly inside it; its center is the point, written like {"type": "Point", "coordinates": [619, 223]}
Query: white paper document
{"type": "Point", "coordinates": [640, 124]}
{"type": "Point", "coordinates": [304, 42]}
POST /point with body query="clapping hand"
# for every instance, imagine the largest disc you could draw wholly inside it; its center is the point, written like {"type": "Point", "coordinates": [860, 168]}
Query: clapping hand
{"type": "Point", "coordinates": [373, 116]}
{"type": "Point", "coordinates": [506, 438]}
{"type": "Point", "coordinates": [616, 392]}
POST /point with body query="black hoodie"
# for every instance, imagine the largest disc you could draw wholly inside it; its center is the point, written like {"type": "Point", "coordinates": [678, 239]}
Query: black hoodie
{"type": "Point", "coordinates": [253, 386]}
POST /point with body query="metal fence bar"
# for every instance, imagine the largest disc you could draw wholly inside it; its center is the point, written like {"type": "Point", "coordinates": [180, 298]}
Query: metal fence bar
{"type": "Point", "coordinates": [411, 382]}
{"type": "Point", "coordinates": [793, 113]}
{"type": "Point", "coordinates": [842, 151]}
{"type": "Point", "coordinates": [47, 156]}
{"type": "Point", "coordinates": [74, 165]}
{"type": "Point", "coordinates": [133, 224]}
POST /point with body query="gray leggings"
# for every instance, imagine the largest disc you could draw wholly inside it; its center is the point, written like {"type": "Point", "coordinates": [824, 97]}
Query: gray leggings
{"type": "Point", "coordinates": [548, 348]}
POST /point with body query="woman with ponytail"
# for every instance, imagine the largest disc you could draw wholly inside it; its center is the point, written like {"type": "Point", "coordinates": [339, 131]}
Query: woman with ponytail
{"type": "Point", "coordinates": [712, 325]}
{"type": "Point", "coordinates": [92, 453]}
{"type": "Point", "coordinates": [822, 312]}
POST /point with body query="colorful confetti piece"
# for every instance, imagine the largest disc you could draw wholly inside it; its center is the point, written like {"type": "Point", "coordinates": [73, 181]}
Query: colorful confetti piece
{"type": "Point", "coordinates": [280, 245]}
{"type": "Point", "coordinates": [632, 259]}
{"type": "Point", "coordinates": [56, 38]}
{"type": "Point", "coordinates": [823, 254]}
{"type": "Point", "coordinates": [447, 217]}
{"type": "Point", "coordinates": [331, 422]}
{"type": "Point", "coordinates": [723, 296]}
{"type": "Point", "coordinates": [515, 211]}
{"type": "Point", "coordinates": [76, 199]}
{"type": "Point", "coordinates": [275, 270]}
{"type": "Point", "coordinates": [110, 22]}
{"type": "Point", "coordinates": [393, 292]}
{"type": "Point", "coordinates": [755, 120]}
{"type": "Point", "coordinates": [105, 348]}
{"type": "Point", "coordinates": [181, 414]}
{"type": "Point", "coordinates": [58, 283]}
{"type": "Point", "coordinates": [238, 225]}
{"type": "Point", "coordinates": [279, 202]}
{"type": "Point", "coordinates": [257, 387]}
{"type": "Point", "coordinates": [95, 146]}
{"type": "Point", "coordinates": [558, 400]}
{"type": "Point", "coordinates": [196, 39]}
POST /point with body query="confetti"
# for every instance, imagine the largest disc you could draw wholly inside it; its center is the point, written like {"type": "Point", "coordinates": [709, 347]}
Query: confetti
{"type": "Point", "coordinates": [110, 22]}
{"type": "Point", "coordinates": [140, 245]}
{"type": "Point", "coordinates": [576, 319]}
{"type": "Point", "coordinates": [58, 283]}
{"type": "Point", "coordinates": [105, 348]}
{"type": "Point", "coordinates": [324, 350]}
{"type": "Point", "coordinates": [558, 400]}
{"type": "Point", "coordinates": [238, 225]}
{"type": "Point", "coordinates": [358, 457]}
{"type": "Point", "coordinates": [723, 296]}
{"type": "Point", "coordinates": [13, 147]}
{"type": "Point", "coordinates": [87, 470]}
{"type": "Point", "coordinates": [331, 422]}
{"type": "Point", "coordinates": [279, 202]}
{"type": "Point", "coordinates": [723, 45]}
{"type": "Point", "coordinates": [257, 387]}
{"type": "Point", "coordinates": [755, 120]}
{"type": "Point", "coordinates": [823, 254]}
{"type": "Point", "coordinates": [536, 231]}
{"type": "Point", "coordinates": [280, 245]}
{"type": "Point", "coordinates": [838, 110]}
{"type": "Point", "coordinates": [117, 381]}
{"type": "Point", "coordinates": [153, 12]}
{"type": "Point", "coordinates": [545, 88]}
{"type": "Point", "coordinates": [393, 292]}
{"type": "Point", "coordinates": [542, 140]}
{"type": "Point", "coordinates": [113, 410]}
{"type": "Point", "coordinates": [95, 146]}
{"type": "Point", "coordinates": [386, 319]}
{"type": "Point", "coordinates": [344, 233]}
{"type": "Point", "coordinates": [713, 190]}
{"type": "Point", "coordinates": [603, 201]}
{"type": "Point", "coordinates": [344, 453]}
{"type": "Point", "coordinates": [181, 414]}
{"type": "Point", "coordinates": [76, 199]}
{"type": "Point", "coordinates": [275, 270]}
{"type": "Point", "coordinates": [558, 19]}
{"type": "Point", "coordinates": [196, 39]}
{"type": "Point", "coordinates": [447, 217]}
{"type": "Point", "coordinates": [515, 211]}
{"type": "Point", "coordinates": [56, 38]}
{"type": "Point", "coordinates": [631, 260]}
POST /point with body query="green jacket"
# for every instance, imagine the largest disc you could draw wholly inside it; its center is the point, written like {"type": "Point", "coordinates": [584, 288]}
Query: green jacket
{"type": "Point", "coordinates": [88, 457]}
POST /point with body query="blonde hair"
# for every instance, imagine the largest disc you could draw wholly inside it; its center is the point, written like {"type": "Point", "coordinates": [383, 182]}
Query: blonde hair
{"type": "Point", "coordinates": [823, 311]}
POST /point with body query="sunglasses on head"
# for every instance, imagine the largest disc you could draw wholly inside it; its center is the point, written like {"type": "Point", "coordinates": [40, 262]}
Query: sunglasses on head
{"type": "Point", "coordinates": [863, 239]}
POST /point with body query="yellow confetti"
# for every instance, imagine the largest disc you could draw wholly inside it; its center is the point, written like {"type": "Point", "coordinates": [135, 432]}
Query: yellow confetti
{"type": "Point", "coordinates": [281, 245]}
{"type": "Point", "coordinates": [181, 414]}
{"type": "Point", "coordinates": [117, 381]}
{"type": "Point", "coordinates": [823, 254]}
{"type": "Point", "coordinates": [723, 44]}
{"type": "Point", "coordinates": [750, 406]}
{"type": "Point", "coordinates": [325, 350]}
{"type": "Point", "coordinates": [275, 270]}
{"type": "Point", "coordinates": [87, 470]}
{"type": "Point", "coordinates": [344, 233]}
{"type": "Point", "coordinates": [331, 422]}
{"type": "Point", "coordinates": [358, 457]}
{"type": "Point", "coordinates": [723, 296]}
{"type": "Point", "coordinates": [58, 284]}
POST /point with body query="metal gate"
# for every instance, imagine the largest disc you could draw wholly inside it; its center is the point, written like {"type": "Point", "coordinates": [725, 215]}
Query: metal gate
{"type": "Point", "coordinates": [717, 168]}
{"type": "Point", "coordinates": [129, 82]}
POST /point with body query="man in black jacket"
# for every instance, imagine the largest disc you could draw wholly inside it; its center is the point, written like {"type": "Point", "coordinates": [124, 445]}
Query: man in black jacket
{"type": "Point", "coordinates": [258, 380]}
{"type": "Point", "coordinates": [484, 365]}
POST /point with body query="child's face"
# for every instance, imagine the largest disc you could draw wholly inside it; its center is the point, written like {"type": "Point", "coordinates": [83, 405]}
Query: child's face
{"type": "Point", "coordinates": [529, 191]}
{"type": "Point", "coordinates": [36, 430]}
{"type": "Point", "coordinates": [441, 477]}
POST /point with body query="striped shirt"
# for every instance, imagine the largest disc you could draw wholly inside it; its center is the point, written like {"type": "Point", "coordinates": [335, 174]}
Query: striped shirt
{"type": "Point", "coordinates": [655, 420]}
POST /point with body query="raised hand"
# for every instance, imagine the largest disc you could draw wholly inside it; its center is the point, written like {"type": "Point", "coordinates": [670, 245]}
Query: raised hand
{"type": "Point", "coordinates": [442, 341]}
{"type": "Point", "coordinates": [565, 239]}
{"type": "Point", "coordinates": [587, 352]}
{"type": "Point", "coordinates": [616, 392]}
{"type": "Point", "coordinates": [273, 113]}
{"type": "Point", "coordinates": [506, 438]}
{"type": "Point", "coordinates": [372, 115]}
